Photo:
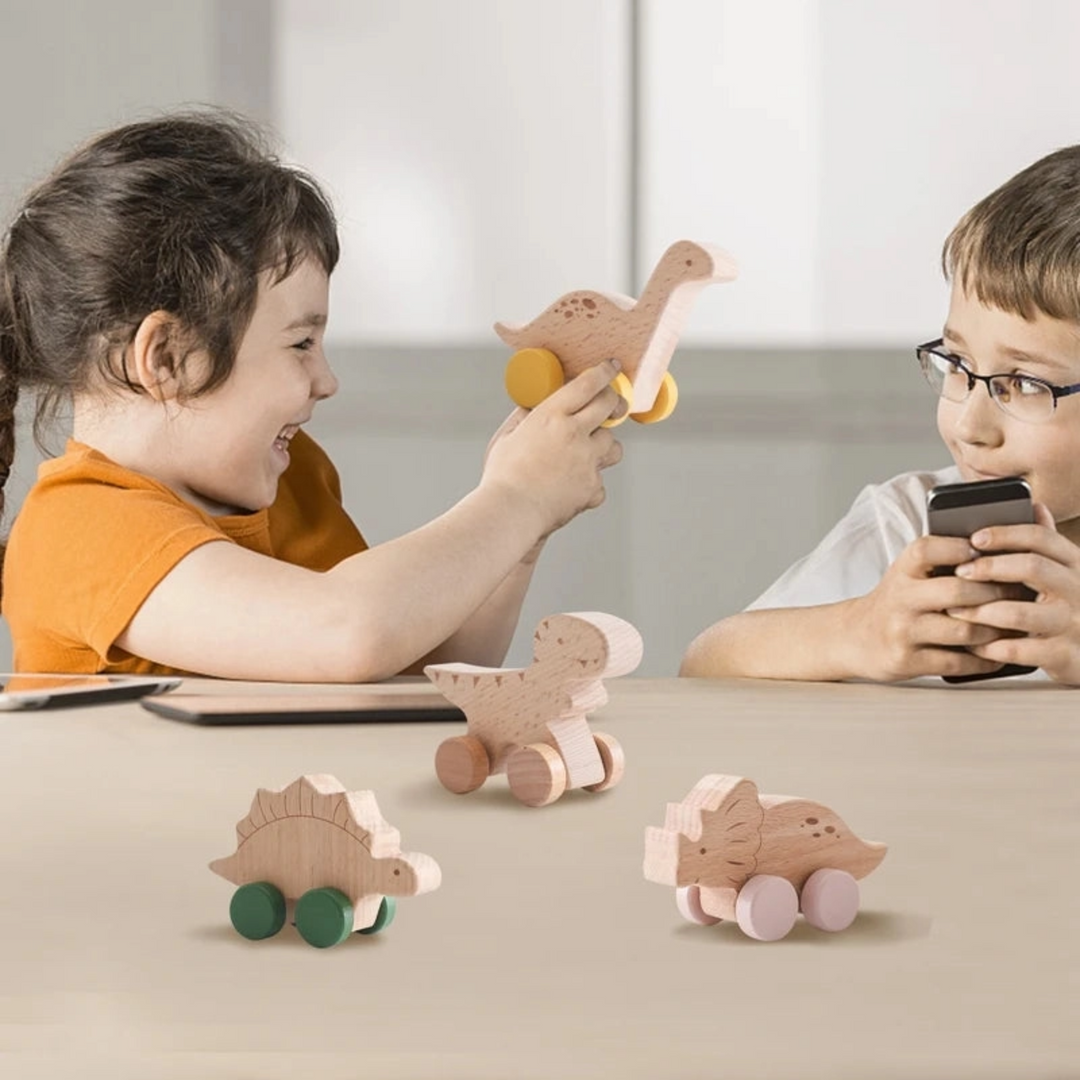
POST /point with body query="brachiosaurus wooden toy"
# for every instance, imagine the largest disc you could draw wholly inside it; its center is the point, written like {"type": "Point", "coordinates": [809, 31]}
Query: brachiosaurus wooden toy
{"type": "Point", "coordinates": [585, 327]}
{"type": "Point", "coordinates": [757, 859]}
{"type": "Point", "coordinates": [327, 849]}
{"type": "Point", "coordinates": [531, 722]}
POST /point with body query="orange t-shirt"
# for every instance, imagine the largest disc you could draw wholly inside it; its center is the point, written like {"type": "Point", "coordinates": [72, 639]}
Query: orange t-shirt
{"type": "Point", "coordinates": [93, 539]}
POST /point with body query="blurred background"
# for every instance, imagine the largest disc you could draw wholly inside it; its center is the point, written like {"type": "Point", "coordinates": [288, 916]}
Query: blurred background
{"type": "Point", "coordinates": [486, 156]}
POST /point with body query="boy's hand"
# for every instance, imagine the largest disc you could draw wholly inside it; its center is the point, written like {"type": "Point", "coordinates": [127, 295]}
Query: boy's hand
{"type": "Point", "coordinates": [554, 455]}
{"type": "Point", "coordinates": [1045, 632]}
{"type": "Point", "coordinates": [902, 629]}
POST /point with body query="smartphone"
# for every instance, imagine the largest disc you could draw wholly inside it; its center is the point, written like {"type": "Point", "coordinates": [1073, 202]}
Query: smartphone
{"type": "Point", "coordinates": [964, 509]}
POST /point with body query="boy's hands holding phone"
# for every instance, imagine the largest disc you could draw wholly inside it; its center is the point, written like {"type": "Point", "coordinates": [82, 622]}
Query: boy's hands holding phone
{"type": "Point", "coordinates": [901, 628]}
{"type": "Point", "coordinates": [1044, 634]}
{"type": "Point", "coordinates": [551, 457]}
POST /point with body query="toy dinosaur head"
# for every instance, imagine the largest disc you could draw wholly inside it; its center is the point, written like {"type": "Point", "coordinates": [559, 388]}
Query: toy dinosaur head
{"type": "Point", "coordinates": [711, 838]}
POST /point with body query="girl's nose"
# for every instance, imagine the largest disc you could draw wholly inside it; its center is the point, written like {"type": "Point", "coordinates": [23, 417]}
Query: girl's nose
{"type": "Point", "coordinates": [324, 384]}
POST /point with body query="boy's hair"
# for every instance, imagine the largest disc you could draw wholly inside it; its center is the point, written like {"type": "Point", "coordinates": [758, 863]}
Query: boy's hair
{"type": "Point", "coordinates": [178, 214]}
{"type": "Point", "coordinates": [1019, 248]}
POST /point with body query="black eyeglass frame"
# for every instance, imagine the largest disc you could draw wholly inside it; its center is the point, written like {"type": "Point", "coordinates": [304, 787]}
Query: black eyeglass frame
{"type": "Point", "coordinates": [935, 347]}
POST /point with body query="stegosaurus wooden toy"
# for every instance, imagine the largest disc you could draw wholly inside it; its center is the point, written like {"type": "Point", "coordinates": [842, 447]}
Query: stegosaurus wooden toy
{"type": "Point", "coordinates": [584, 327]}
{"type": "Point", "coordinates": [531, 722]}
{"type": "Point", "coordinates": [327, 849]}
{"type": "Point", "coordinates": [756, 859]}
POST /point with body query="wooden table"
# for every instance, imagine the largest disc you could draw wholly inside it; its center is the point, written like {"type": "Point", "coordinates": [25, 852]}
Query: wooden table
{"type": "Point", "coordinates": [545, 952]}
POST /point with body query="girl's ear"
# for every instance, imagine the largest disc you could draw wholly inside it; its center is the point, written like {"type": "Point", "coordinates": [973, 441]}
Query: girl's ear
{"type": "Point", "coordinates": [156, 355]}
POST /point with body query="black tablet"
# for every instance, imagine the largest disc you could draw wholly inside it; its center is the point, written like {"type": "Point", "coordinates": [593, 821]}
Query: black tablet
{"type": "Point", "coordinates": [374, 705]}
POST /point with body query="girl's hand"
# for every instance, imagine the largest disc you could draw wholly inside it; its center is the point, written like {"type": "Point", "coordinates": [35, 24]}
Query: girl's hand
{"type": "Point", "coordinates": [901, 629]}
{"type": "Point", "coordinates": [1045, 632]}
{"type": "Point", "coordinates": [552, 456]}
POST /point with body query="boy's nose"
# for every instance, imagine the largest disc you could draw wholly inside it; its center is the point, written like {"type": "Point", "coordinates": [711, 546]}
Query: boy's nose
{"type": "Point", "coordinates": [978, 418]}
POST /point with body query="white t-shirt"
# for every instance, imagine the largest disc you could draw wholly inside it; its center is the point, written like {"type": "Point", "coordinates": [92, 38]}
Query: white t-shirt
{"type": "Point", "coordinates": [854, 556]}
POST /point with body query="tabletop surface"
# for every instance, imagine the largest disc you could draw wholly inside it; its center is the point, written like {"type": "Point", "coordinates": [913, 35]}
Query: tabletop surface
{"type": "Point", "coordinates": [545, 951]}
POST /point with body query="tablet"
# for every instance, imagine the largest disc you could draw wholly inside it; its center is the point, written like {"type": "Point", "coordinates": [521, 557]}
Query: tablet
{"type": "Point", "coordinates": [33, 691]}
{"type": "Point", "coordinates": [372, 705]}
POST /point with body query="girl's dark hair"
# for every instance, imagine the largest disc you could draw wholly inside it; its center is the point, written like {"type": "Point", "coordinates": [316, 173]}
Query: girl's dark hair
{"type": "Point", "coordinates": [178, 214]}
{"type": "Point", "coordinates": [1019, 248]}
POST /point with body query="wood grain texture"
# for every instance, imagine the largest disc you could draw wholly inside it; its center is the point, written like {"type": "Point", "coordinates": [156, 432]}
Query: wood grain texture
{"type": "Point", "coordinates": [724, 836]}
{"type": "Point", "coordinates": [584, 327]}
{"type": "Point", "coordinates": [544, 704]}
{"type": "Point", "coordinates": [315, 834]}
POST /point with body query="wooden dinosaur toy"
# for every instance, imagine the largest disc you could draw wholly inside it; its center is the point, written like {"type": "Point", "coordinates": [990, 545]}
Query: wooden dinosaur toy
{"type": "Point", "coordinates": [734, 854]}
{"type": "Point", "coordinates": [327, 849]}
{"type": "Point", "coordinates": [531, 722]}
{"type": "Point", "coordinates": [585, 327]}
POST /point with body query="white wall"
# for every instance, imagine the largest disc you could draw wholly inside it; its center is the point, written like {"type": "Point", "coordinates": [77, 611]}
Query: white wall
{"type": "Point", "coordinates": [477, 152]}
{"type": "Point", "coordinates": [832, 144]}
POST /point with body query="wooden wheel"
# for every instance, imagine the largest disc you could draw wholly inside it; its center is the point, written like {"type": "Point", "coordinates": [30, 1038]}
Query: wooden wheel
{"type": "Point", "coordinates": [611, 754]}
{"type": "Point", "coordinates": [688, 901]}
{"type": "Point", "coordinates": [532, 375]}
{"type": "Point", "coordinates": [387, 911]}
{"type": "Point", "coordinates": [624, 388]}
{"type": "Point", "coordinates": [766, 907]}
{"type": "Point", "coordinates": [324, 917]}
{"type": "Point", "coordinates": [537, 774]}
{"type": "Point", "coordinates": [462, 764]}
{"type": "Point", "coordinates": [257, 910]}
{"type": "Point", "coordinates": [830, 899]}
{"type": "Point", "coordinates": [667, 397]}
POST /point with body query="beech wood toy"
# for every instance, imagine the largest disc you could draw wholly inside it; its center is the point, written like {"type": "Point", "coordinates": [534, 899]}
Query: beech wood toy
{"type": "Point", "coordinates": [585, 327]}
{"type": "Point", "coordinates": [327, 849]}
{"type": "Point", "coordinates": [531, 722]}
{"type": "Point", "coordinates": [757, 859]}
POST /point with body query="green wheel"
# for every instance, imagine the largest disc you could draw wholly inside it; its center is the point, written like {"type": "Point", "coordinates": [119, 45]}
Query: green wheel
{"type": "Point", "coordinates": [387, 910]}
{"type": "Point", "coordinates": [324, 917]}
{"type": "Point", "coordinates": [257, 910]}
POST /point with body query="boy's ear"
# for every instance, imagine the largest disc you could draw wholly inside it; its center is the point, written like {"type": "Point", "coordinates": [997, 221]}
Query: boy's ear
{"type": "Point", "coordinates": [156, 355]}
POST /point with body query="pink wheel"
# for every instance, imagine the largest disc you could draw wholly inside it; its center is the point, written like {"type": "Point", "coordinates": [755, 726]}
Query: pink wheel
{"type": "Point", "coordinates": [830, 899]}
{"type": "Point", "coordinates": [766, 907]}
{"type": "Point", "coordinates": [688, 901]}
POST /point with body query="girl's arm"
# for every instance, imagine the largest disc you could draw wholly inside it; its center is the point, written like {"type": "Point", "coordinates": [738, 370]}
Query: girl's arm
{"type": "Point", "coordinates": [227, 611]}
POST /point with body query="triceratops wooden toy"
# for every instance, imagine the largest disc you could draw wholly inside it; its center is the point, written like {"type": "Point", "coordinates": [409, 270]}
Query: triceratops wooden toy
{"type": "Point", "coordinates": [530, 722]}
{"type": "Point", "coordinates": [758, 859]}
{"type": "Point", "coordinates": [327, 849]}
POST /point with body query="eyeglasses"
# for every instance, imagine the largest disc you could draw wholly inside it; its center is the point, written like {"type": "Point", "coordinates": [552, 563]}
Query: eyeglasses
{"type": "Point", "coordinates": [1021, 396]}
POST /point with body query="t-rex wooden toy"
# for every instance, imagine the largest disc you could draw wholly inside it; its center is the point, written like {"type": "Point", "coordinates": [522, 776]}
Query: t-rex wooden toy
{"type": "Point", "coordinates": [531, 722]}
{"type": "Point", "coordinates": [734, 854]}
{"type": "Point", "coordinates": [585, 327]}
{"type": "Point", "coordinates": [328, 849]}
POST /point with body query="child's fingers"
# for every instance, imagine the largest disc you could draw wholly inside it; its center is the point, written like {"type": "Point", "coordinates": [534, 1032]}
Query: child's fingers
{"type": "Point", "coordinates": [584, 389]}
{"type": "Point", "coordinates": [946, 661]}
{"type": "Point", "coordinates": [1037, 538]}
{"type": "Point", "coordinates": [1043, 516]}
{"type": "Point", "coordinates": [608, 447]}
{"type": "Point", "coordinates": [923, 556]}
{"type": "Point", "coordinates": [1044, 575]}
{"type": "Point", "coordinates": [1019, 616]}
{"type": "Point", "coordinates": [939, 629]}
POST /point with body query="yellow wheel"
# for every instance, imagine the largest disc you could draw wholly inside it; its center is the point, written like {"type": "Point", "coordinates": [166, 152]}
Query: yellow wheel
{"type": "Point", "coordinates": [667, 397]}
{"type": "Point", "coordinates": [532, 375]}
{"type": "Point", "coordinates": [623, 387]}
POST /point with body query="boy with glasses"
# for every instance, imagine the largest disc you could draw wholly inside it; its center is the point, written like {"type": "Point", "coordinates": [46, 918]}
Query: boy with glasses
{"type": "Point", "coordinates": [865, 604]}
